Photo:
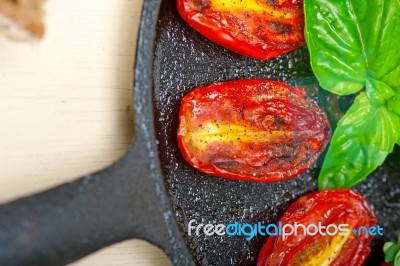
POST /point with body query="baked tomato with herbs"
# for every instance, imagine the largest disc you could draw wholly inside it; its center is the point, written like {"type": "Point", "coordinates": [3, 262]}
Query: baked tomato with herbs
{"type": "Point", "coordinates": [256, 129]}
{"type": "Point", "coordinates": [259, 29]}
{"type": "Point", "coordinates": [336, 213]}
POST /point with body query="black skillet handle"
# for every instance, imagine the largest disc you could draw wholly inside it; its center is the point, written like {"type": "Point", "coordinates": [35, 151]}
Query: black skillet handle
{"type": "Point", "coordinates": [63, 224]}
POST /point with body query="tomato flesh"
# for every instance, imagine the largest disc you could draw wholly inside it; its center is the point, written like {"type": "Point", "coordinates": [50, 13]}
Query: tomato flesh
{"type": "Point", "coordinates": [254, 28]}
{"type": "Point", "coordinates": [258, 130]}
{"type": "Point", "coordinates": [325, 207]}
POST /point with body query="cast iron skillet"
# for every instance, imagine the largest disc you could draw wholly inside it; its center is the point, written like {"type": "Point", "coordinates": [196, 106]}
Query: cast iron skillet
{"type": "Point", "coordinates": [151, 193]}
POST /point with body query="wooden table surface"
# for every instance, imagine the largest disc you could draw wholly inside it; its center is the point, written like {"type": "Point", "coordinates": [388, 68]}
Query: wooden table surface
{"type": "Point", "coordinates": [65, 106]}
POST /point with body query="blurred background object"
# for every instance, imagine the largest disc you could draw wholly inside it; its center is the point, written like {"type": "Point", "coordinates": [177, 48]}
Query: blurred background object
{"type": "Point", "coordinates": [22, 19]}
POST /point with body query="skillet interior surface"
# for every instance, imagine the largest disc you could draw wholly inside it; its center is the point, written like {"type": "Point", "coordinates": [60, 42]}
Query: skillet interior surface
{"type": "Point", "coordinates": [183, 60]}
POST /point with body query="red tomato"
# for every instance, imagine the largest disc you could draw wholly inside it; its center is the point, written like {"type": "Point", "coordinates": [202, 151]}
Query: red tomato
{"type": "Point", "coordinates": [325, 207]}
{"type": "Point", "coordinates": [258, 130]}
{"type": "Point", "coordinates": [254, 28]}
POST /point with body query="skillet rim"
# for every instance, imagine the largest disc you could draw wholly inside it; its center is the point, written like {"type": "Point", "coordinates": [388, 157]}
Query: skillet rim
{"type": "Point", "coordinates": [143, 117]}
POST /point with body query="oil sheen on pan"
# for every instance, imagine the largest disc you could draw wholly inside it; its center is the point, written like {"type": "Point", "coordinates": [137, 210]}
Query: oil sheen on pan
{"type": "Point", "coordinates": [259, 130]}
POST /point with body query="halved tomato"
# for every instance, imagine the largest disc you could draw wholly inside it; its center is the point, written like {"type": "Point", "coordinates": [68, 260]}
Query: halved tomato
{"type": "Point", "coordinates": [338, 213]}
{"type": "Point", "coordinates": [257, 129]}
{"type": "Point", "coordinates": [259, 29]}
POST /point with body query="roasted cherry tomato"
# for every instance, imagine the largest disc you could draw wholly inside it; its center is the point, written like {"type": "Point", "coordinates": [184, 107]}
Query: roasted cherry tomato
{"type": "Point", "coordinates": [258, 130]}
{"type": "Point", "coordinates": [260, 29]}
{"type": "Point", "coordinates": [336, 244]}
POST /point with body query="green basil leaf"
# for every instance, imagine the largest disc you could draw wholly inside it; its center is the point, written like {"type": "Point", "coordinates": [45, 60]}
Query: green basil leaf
{"type": "Point", "coordinates": [397, 259]}
{"type": "Point", "coordinates": [390, 254]}
{"type": "Point", "coordinates": [350, 40]}
{"type": "Point", "coordinates": [364, 136]}
{"type": "Point", "coordinates": [394, 103]}
{"type": "Point", "coordinates": [378, 92]}
{"type": "Point", "coordinates": [386, 246]}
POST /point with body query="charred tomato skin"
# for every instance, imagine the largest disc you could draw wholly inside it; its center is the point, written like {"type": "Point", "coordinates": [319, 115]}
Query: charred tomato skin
{"type": "Point", "coordinates": [342, 206]}
{"type": "Point", "coordinates": [257, 129]}
{"type": "Point", "coordinates": [253, 28]}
